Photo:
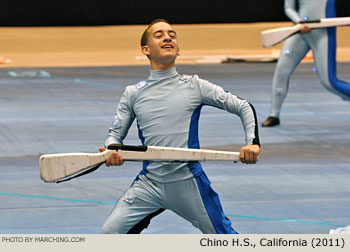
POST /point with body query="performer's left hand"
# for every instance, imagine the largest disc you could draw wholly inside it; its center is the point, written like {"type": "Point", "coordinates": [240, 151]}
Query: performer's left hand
{"type": "Point", "coordinates": [249, 154]}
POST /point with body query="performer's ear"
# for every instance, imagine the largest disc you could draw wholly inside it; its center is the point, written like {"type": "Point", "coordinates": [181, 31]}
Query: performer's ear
{"type": "Point", "coordinates": [145, 50]}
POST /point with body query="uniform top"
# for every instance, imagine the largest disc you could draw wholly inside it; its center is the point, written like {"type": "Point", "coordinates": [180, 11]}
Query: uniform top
{"type": "Point", "coordinates": [308, 9]}
{"type": "Point", "coordinates": [167, 107]}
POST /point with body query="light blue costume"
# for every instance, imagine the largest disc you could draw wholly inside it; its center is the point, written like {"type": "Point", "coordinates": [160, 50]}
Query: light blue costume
{"type": "Point", "coordinates": [322, 42]}
{"type": "Point", "coordinates": [167, 108]}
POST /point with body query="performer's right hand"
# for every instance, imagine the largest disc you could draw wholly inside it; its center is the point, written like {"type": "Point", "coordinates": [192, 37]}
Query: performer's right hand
{"type": "Point", "coordinates": [305, 29]}
{"type": "Point", "coordinates": [115, 159]}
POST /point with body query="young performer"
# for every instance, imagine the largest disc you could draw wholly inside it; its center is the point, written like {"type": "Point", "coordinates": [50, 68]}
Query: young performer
{"type": "Point", "coordinates": [322, 42]}
{"type": "Point", "coordinates": [167, 106]}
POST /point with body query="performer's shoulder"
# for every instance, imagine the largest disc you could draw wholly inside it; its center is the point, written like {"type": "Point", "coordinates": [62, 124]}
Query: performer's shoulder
{"type": "Point", "coordinates": [141, 84]}
{"type": "Point", "coordinates": [135, 87]}
{"type": "Point", "coordinates": [131, 91]}
{"type": "Point", "coordinates": [185, 77]}
{"type": "Point", "coordinates": [192, 79]}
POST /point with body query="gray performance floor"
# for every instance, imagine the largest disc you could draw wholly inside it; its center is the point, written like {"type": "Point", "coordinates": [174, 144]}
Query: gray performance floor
{"type": "Point", "coordinates": [301, 184]}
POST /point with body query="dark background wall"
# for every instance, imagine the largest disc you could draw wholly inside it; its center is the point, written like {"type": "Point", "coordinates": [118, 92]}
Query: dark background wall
{"type": "Point", "coordinates": [118, 12]}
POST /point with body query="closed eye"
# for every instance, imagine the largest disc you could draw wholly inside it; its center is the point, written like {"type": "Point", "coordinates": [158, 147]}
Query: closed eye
{"type": "Point", "coordinates": [172, 34]}
{"type": "Point", "coordinates": [160, 34]}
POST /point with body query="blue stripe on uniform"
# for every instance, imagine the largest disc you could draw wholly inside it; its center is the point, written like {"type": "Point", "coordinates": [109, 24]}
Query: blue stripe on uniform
{"type": "Point", "coordinates": [212, 204]}
{"type": "Point", "coordinates": [338, 85]}
{"type": "Point", "coordinates": [193, 140]}
{"type": "Point", "coordinates": [144, 163]}
{"type": "Point", "coordinates": [209, 197]}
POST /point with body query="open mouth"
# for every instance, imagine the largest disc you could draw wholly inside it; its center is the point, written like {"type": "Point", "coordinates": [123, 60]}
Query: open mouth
{"type": "Point", "coordinates": [167, 46]}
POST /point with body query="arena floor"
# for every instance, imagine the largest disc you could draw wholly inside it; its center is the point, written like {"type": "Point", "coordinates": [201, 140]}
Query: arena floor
{"type": "Point", "coordinates": [60, 92]}
{"type": "Point", "coordinates": [300, 185]}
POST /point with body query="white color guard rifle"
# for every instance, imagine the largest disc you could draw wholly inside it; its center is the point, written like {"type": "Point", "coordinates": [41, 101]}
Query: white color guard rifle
{"type": "Point", "coordinates": [56, 168]}
{"type": "Point", "coordinates": [275, 36]}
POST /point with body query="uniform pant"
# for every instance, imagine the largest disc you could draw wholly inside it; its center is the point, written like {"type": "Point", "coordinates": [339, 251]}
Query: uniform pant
{"type": "Point", "coordinates": [192, 199]}
{"type": "Point", "coordinates": [322, 42]}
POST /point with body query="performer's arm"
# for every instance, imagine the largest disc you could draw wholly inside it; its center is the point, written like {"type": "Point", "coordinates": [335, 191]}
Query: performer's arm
{"type": "Point", "coordinates": [215, 96]}
{"type": "Point", "coordinates": [291, 12]}
{"type": "Point", "coordinates": [123, 120]}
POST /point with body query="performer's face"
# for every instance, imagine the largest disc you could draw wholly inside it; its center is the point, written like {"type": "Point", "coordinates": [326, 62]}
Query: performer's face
{"type": "Point", "coordinates": [161, 46]}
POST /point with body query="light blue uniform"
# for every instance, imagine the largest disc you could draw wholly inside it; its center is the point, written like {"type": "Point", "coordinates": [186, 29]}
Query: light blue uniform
{"type": "Point", "coordinates": [167, 108]}
{"type": "Point", "coordinates": [322, 42]}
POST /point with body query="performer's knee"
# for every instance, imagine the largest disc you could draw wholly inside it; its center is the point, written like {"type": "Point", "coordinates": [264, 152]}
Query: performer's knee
{"type": "Point", "coordinates": [106, 229]}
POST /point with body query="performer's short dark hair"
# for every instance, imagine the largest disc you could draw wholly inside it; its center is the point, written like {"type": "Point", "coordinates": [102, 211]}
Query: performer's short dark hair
{"type": "Point", "coordinates": [144, 36]}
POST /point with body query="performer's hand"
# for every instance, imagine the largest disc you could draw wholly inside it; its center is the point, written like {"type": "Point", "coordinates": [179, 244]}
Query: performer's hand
{"type": "Point", "coordinates": [114, 159]}
{"type": "Point", "coordinates": [305, 29]}
{"type": "Point", "coordinates": [249, 154]}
